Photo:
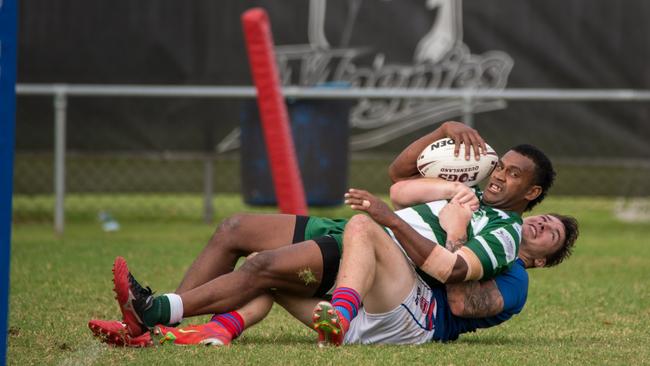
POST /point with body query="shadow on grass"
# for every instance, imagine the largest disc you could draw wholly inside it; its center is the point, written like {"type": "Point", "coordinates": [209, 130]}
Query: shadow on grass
{"type": "Point", "coordinates": [286, 339]}
{"type": "Point", "coordinates": [293, 339]}
{"type": "Point", "coordinates": [492, 341]}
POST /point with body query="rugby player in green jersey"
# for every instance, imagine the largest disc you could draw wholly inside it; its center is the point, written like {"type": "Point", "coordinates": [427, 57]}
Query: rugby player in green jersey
{"type": "Point", "coordinates": [210, 286]}
{"type": "Point", "coordinates": [372, 267]}
{"type": "Point", "coordinates": [520, 181]}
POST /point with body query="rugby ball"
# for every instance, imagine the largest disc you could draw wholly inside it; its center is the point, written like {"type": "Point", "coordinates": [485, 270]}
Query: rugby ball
{"type": "Point", "coordinates": [438, 160]}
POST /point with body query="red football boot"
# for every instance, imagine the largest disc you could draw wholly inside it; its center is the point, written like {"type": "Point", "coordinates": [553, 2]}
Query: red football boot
{"type": "Point", "coordinates": [132, 298]}
{"type": "Point", "coordinates": [114, 333]}
{"type": "Point", "coordinates": [209, 334]}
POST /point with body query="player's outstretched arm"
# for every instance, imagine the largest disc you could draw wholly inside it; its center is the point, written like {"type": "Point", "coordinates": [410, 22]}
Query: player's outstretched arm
{"type": "Point", "coordinates": [404, 166]}
{"type": "Point", "coordinates": [437, 261]}
{"type": "Point", "coordinates": [412, 192]}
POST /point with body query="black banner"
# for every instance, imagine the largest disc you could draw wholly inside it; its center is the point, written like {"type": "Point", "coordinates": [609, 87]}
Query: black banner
{"type": "Point", "coordinates": [484, 44]}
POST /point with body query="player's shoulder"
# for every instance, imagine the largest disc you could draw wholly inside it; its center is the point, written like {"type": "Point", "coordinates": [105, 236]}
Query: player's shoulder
{"type": "Point", "coordinates": [513, 286]}
{"type": "Point", "coordinates": [515, 274]}
{"type": "Point", "coordinates": [499, 217]}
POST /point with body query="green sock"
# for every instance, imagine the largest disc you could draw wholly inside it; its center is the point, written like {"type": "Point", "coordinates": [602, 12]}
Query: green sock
{"type": "Point", "coordinates": [158, 313]}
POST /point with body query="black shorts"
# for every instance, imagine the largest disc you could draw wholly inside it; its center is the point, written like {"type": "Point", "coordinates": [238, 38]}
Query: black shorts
{"type": "Point", "coordinates": [329, 249]}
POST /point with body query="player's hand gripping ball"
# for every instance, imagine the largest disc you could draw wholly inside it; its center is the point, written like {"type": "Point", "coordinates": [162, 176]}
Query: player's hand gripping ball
{"type": "Point", "coordinates": [438, 160]}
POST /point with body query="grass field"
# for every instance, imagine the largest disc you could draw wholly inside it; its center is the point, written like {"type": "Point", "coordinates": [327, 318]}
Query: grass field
{"type": "Point", "coordinates": [594, 309]}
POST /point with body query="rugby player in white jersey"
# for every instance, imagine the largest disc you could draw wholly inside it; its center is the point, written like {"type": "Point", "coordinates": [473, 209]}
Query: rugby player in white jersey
{"type": "Point", "coordinates": [202, 293]}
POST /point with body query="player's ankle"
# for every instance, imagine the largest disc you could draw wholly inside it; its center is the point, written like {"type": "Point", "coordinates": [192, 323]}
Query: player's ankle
{"type": "Point", "coordinates": [344, 322]}
{"type": "Point", "coordinates": [166, 309]}
{"type": "Point", "coordinates": [232, 322]}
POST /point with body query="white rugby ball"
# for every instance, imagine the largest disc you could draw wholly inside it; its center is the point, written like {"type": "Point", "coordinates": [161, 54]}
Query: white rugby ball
{"type": "Point", "coordinates": [438, 160]}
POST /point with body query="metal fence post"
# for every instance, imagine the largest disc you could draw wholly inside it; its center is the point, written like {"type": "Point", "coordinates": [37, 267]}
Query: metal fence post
{"type": "Point", "coordinates": [60, 107]}
{"type": "Point", "coordinates": [208, 182]}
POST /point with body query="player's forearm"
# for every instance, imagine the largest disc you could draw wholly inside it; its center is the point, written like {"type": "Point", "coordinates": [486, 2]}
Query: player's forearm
{"type": "Point", "coordinates": [456, 238]}
{"type": "Point", "coordinates": [416, 246]}
{"type": "Point", "coordinates": [474, 299]}
{"type": "Point", "coordinates": [408, 193]}
{"type": "Point", "coordinates": [405, 166]}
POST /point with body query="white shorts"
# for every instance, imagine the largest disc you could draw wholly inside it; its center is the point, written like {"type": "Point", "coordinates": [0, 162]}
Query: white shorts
{"type": "Point", "coordinates": [409, 323]}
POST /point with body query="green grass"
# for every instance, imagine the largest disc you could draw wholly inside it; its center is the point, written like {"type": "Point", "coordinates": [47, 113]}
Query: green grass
{"type": "Point", "coordinates": [593, 309]}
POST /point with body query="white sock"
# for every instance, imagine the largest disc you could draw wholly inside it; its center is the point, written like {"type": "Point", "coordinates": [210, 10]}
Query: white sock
{"type": "Point", "coordinates": [175, 308]}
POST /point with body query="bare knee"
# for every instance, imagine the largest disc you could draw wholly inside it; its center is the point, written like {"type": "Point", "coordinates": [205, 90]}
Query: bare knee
{"type": "Point", "coordinates": [361, 226]}
{"type": "Point", "coordinates": [229, 225]}
{"type": "Point", "coordinates": [259, 266]}
{"type": "Point", "coordinates": [228, 233]}
{"type": "Point", "coordinates": [364, 234]}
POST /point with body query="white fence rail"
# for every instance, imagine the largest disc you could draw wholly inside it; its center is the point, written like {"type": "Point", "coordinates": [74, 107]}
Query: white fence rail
{"type": "Point", "coordinates": [175, 91]}
{"type": "Point", "coordinates": [61, 93]}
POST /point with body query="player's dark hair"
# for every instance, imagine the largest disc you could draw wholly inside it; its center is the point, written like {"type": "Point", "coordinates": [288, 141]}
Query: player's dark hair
{"type": "Point", "coordinates": [571, 233]}
{"type": "Point", "coordinates": [544, 172]}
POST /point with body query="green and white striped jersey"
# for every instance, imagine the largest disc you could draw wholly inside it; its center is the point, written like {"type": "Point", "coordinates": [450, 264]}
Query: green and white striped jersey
{"type": "Point", "coordinates": [493, 235]}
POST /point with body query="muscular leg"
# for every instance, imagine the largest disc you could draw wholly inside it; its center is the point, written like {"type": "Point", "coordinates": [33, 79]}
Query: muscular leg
{"type": "Point", "coordinates": [237, 236]}
{"type": "Point", "coordinates": [374, 266]}
{"type": "Point", "coordinates": [295, 269]}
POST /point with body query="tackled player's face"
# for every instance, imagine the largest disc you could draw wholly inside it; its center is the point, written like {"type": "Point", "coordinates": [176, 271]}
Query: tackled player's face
{"type": "Point", "coordinates": [511, 184]}
{"type": "Point", "coordinates": [542, 235]}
